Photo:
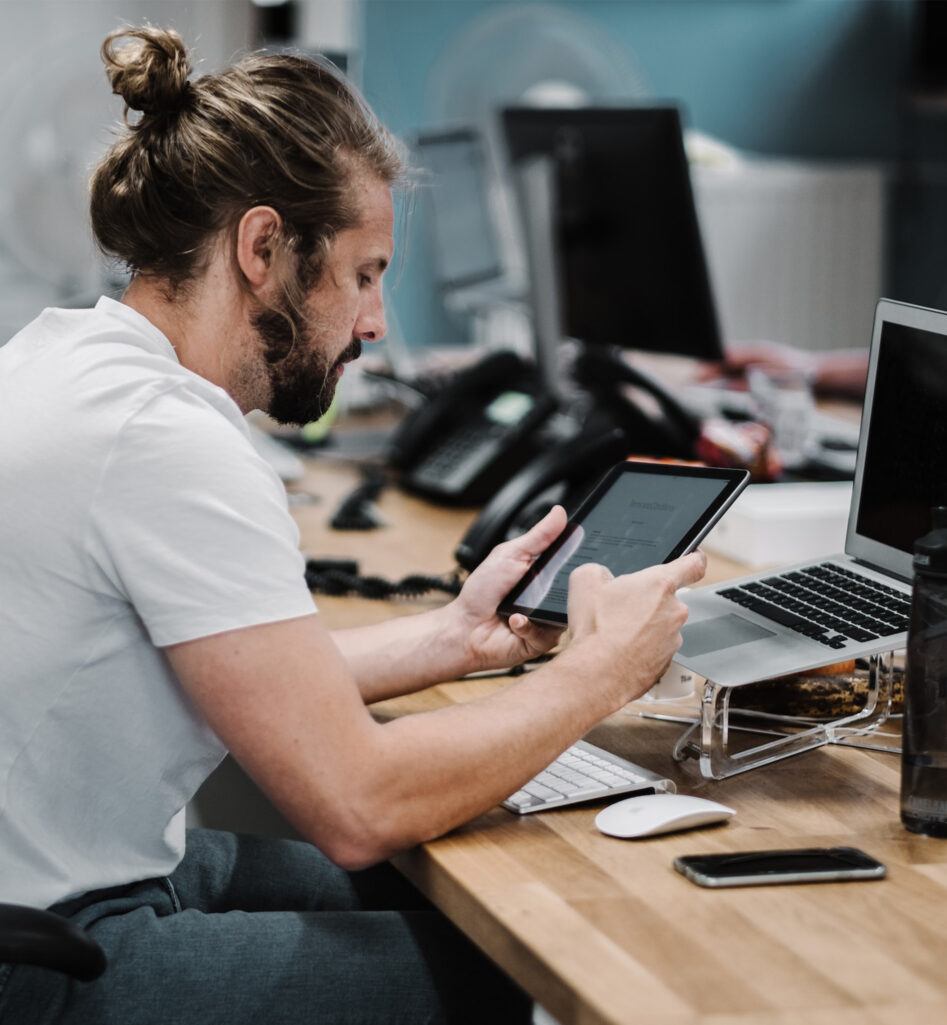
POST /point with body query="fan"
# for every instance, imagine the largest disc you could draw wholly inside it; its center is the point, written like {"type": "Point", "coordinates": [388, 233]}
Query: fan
{"type": "Point", "coordinates": [539, 53]}
{"type": "Point", "coordinates": [53, 128]}
{"type": "Point", "coordinates": [532, 54]}
{"type": "Point", "coordinates": [55, 124]}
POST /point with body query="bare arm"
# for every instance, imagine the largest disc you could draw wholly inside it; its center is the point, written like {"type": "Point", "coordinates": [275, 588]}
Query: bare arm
{"type": "Point", "coordinates": [835, 372]}
{"type": "Point", "coordinates": [405, 654]}
{"type": "Point", "coordinates": [284, 700]}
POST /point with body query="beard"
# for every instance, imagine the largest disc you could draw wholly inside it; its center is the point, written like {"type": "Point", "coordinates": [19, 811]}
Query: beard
{"type": "Point", "coordinates": [302, 380]}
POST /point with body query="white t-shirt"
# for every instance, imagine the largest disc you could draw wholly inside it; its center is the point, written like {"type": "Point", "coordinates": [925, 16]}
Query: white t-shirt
{"type": "Point", "coordinates": [134, 514]}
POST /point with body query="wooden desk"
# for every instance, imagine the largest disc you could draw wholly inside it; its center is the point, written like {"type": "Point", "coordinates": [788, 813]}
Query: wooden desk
{"type": "Point", "coordinates": [600, 930]}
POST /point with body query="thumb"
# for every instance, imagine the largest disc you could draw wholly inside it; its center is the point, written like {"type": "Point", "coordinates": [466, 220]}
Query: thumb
{"type": "Point", "coordinates": [688, 569]}
{"type": "Point", "coordinates": [541, 535]}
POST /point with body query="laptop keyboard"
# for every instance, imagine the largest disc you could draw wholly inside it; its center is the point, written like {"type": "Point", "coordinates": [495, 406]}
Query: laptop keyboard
{"type": "Point", "coordinates": [826, 602]}
{"type": "Point", "coordinates": [584, 772]}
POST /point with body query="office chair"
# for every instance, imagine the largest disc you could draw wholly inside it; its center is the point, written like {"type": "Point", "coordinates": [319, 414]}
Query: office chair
{"type": "Point", "coordinates": [43, 938]}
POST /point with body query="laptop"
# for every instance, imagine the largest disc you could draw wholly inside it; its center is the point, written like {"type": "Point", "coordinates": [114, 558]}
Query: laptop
{"type": "Point", "coordinates": [856, 603]}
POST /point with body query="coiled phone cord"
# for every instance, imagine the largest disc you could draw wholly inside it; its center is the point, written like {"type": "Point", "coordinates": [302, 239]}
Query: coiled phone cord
{"type": "Point", "coordinates": [341, 577]}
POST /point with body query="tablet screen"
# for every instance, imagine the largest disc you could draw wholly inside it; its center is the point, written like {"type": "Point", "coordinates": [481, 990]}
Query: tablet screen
{"type": "Point", "coordinates": [639, 515]}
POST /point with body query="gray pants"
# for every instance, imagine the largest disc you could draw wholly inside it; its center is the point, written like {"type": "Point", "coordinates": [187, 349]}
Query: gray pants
{"type": "Point", "coordinates": [264, 931]}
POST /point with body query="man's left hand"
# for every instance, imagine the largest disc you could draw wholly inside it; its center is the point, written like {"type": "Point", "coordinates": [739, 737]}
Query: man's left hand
{"type": "Point", "coordinates": [495, 642]}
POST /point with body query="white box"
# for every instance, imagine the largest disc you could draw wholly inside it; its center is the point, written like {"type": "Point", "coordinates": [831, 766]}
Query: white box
{"type": "Point", "coordinates": [795, 249]}
{"type": "Point", "coordinates": [773, 524]}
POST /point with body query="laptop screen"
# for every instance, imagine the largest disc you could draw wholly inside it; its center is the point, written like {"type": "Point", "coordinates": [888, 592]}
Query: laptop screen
{"type": "Point", "coordinates": [902, 458]}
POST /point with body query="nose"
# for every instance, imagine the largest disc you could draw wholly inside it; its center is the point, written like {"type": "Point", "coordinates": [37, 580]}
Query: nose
{"type": "Point", "coordinates": [370, 326]}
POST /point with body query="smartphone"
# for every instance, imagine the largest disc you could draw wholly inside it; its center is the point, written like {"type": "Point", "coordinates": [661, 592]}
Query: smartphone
{"type": "Point", "coordinates": [638, 515]}
{"type": "Point", "coordinates": [760, 868]}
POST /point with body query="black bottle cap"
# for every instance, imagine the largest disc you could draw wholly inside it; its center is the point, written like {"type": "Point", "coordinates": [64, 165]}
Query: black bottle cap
{"type": "Point", "coordinates": [930, 551]}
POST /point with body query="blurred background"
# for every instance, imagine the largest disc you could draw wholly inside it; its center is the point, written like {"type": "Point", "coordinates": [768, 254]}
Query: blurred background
{"type": "Point", "coordinates": [816, 133]}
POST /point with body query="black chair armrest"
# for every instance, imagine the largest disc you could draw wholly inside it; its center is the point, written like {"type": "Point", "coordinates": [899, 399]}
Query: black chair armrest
{"type": "Point", "coordinates": [32, 936]}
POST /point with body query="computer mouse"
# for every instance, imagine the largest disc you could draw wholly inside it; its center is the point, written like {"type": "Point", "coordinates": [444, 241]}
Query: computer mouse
{"type": "Point", "coordinates": [653, 814]}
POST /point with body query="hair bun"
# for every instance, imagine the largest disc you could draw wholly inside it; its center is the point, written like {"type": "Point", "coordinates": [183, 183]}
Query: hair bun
{"type": "Point", "coordinates": [150, 71]}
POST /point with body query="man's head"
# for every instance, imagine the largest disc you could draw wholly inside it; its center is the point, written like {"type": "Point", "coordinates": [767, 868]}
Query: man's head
{"type": "Point", "coordinates": [304, 350]}
{"type": "Point", "coordinates": [276, 161]}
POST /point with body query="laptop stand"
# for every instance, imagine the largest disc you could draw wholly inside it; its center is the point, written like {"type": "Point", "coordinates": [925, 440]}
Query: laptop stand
{"type": "Point", "coordinates": [727, 740]}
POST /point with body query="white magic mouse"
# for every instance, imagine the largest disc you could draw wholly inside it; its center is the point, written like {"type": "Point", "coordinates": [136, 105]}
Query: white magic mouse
{"type": "Point", "coordinates": [653, 814]}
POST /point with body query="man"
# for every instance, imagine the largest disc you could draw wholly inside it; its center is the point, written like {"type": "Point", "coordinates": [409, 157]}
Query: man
{"type": "Point", "coordinates": [153, 612]}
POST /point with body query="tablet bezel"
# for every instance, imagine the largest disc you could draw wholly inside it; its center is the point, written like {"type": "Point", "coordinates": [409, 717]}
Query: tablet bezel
{"type": "Point", "coordinates": [735, 481]}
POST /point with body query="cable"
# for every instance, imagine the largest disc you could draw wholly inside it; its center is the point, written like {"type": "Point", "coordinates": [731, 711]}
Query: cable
{"type": "Point", "coordinates": [356, 511]}
{"type": "Point", "coordinates": [341, 577]}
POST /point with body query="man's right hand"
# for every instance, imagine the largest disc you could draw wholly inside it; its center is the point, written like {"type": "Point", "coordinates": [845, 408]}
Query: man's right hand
{"type": "Point", "coordinates": [632, 622]}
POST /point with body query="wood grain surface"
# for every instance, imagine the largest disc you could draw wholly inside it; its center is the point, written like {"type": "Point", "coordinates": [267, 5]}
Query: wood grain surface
{"type": "Point", "coordinates": [600, 930]}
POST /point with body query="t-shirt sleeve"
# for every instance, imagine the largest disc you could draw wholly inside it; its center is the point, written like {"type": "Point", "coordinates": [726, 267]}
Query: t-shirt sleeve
{"type": "Point", "coordinates": [191, 527]}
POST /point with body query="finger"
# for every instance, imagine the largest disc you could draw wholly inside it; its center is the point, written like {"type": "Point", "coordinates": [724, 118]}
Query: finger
{"type": "Point", "coordinates": [688, 569]}
{"type": "Point", "coordinates": [534, 634]}
{"type": "Point", "coordinates": [586, 579]}
{"type": "Point", "coordinates": [710, 371]}
{"type": "Point", "coordinates": [735, 362]}
{"type": "Point", "coordinates": [518, 623]}
{"type": "Point", "coordinates": [540, 536]}
{"type": "Point", "coordinates": [590, 574]}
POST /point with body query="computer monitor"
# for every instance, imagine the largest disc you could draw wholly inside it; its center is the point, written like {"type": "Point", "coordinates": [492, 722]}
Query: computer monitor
{"type": "Point", "coordinates": [466, 248]}
{"type": "Point", "coordinates": [630, 255]}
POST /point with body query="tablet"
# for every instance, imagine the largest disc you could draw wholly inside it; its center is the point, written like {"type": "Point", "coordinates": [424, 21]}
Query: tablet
{"type": "Point", "coordinates": [638, 515]}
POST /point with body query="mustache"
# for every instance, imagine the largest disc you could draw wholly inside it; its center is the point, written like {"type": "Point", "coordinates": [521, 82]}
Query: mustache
{"type": "Point", "coordinates": [351, 352]}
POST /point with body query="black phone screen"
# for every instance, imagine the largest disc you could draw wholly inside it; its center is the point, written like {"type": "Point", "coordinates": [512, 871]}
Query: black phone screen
{"type": "Point", "coordinates": [754, 868]}
{"type": "Point", "coordinates": [638, 515]}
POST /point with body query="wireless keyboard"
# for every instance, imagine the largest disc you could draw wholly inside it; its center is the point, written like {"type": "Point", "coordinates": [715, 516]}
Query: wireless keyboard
{"type": "Point", "coordinates": [585, 772]}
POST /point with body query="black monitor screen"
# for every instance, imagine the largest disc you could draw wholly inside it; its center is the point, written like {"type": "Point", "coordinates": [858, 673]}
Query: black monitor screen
{"type": "Point", "coordinates": [631, 259]}
{"type": "Point", "coordinates": [905, 466]}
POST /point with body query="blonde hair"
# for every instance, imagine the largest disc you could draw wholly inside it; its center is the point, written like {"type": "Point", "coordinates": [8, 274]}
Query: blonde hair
{"type": "Point", "coordinates": [271, 130]}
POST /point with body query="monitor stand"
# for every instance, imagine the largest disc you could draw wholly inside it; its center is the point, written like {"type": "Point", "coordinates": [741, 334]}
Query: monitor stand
{"type": "Point", "coordinates": [536, 189]}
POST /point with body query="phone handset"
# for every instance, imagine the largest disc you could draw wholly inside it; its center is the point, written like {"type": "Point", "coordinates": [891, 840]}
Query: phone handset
{"type": "Point", "coordinates": [580, 460]}
{"type": "Point", "coordinates": [674, 432]}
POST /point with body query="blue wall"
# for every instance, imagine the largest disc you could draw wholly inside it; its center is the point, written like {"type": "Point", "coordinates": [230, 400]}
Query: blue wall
{"type": "Point", "coordinates": [801, 78]}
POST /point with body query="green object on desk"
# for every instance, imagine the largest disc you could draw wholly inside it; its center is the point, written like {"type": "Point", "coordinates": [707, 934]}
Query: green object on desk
{"type": "Point", "coordinates": [316, 432]}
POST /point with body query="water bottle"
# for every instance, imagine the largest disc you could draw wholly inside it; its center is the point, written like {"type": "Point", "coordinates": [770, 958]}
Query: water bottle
{"type": "Point", "coordinates": [924, 745]}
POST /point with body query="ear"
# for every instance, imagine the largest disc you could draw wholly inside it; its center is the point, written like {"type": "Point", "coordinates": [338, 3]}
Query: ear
{"type": "Point", "coordinates": [256, 238]}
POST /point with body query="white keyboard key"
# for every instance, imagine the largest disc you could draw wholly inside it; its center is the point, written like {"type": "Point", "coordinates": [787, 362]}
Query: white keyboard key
{"type": "Point", "coordinates": [565, 787]}
{"type": "Point", "coordinates": [535, 789]}
{"type": "Point", "coordinates": [581, 773]}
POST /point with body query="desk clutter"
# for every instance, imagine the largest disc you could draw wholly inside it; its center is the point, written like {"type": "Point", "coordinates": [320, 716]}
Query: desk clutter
{"type": "Point", "coordinates": [831, 693]}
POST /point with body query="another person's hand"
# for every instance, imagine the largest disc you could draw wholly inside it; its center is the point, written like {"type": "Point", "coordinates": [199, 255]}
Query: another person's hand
{"type": "Point", "coordinates": [834, 372]}
{"type": "Point", "coordinates": [494, 641]}
{"type": "Point", "coordinates": [737, 360]}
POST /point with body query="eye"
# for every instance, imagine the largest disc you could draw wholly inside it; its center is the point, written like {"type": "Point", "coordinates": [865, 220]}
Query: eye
{"type": "Point", "coordinates": [364, 280]}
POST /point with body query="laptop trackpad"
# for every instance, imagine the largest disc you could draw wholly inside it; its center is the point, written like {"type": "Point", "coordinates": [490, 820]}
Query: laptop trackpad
{"type": "Point", "coordinates": [720, 632]}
